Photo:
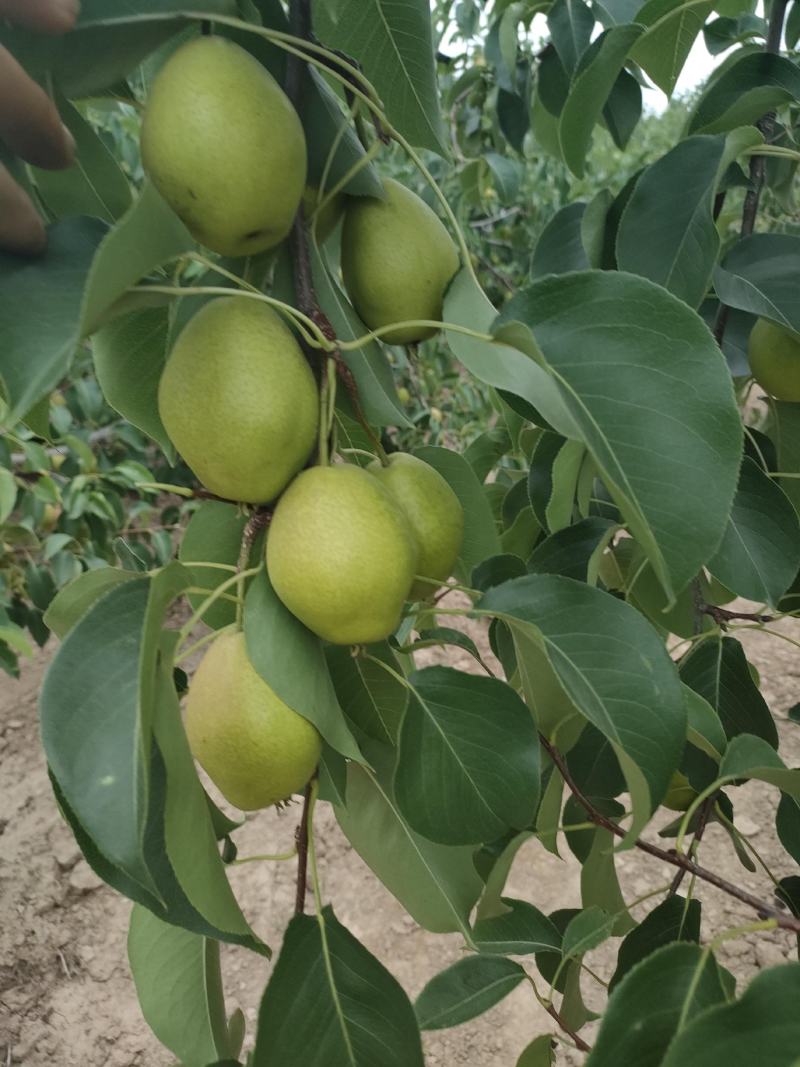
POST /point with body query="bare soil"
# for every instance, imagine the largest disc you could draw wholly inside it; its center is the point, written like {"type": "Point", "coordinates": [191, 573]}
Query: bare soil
{"type": "Point", "coordinates": [66, 996]}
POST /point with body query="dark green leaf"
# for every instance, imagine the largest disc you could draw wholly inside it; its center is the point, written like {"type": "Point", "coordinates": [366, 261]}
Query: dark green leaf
{"type": "Point", "coordinates": [787, 824]}
{"type": "Point", "coordinates": [521, 930]}
{"type": "Point", "coordinates": [213, 535]}
{"type": "Point", "coordinates": [369, 695]}
{"type": "Point", "coordinates": [75, 599]}
{"type": "Point", "coordinates": [751, 757]}
{"type": "Point", "coordinates": [569, 551]}
{"type": "Point", "coordinates": [763, 1027]}
{"type": "Point", "coordinates": [495, 570]}
{"type": "Point", "coordinates": [468, 761]}
{"type": "Point", "coordinates": [586, 931]}
{"type": "Point", "coordinates": [760, 551]}
{"type": "Point", "coordinates": [667, 448]}
{"type": "Point", "coordinates": [465, 990]}
{"type": "Point", "coordinates": [675, 919]}
{"type": "Point", "coordinates": [757, 82]}
{"type": "Point", "coordinates": [560, 246]}
{"type": "Point", "coordinates": [671, 31]}
{"type": "Point", "coordinates": [570, 23]}
{"type": "Point", "coordinates": [291, 661]}
{"type": "Point", "coordinates": [40, 310]}
{"type": "Point", "coordinates": [623, 111]}
{"type": "Point", "coordinates": [329, 1003]}
{"type": "Point", "coordinates": [759, 275]}
{"type": "Point", "coordinates": [539, 1053]}
{"type": "Point", "coordinates": [634, 700]}
{"type": "Point", "coordinates": [718, 670]}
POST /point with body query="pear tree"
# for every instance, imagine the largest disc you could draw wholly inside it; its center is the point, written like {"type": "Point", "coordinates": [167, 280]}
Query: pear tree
{"type": "Point", "coordinates": [310, 200]}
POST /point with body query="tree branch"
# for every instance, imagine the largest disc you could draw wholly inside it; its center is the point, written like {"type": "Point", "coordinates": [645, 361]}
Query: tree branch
{"type": "Point", "coordinates": [676, 859]}
{"type": "Point", "coordinates": [301, 839]}
{"type": "Point", "coordinates": [758, 164]}
{"type": "Point", "coordinates": [580, 1044]}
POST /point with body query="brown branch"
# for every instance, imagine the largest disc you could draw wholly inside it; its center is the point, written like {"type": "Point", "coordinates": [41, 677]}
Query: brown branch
{"type": "Point", "coordinates": [580, 1044]}
{"type": "Point", "coordinates": [722, 615]}
{"type": "Point", "coordinates": [758, 164]}
{"type": "Point", "coordinates": [301, 839]}
{"type": "Point", "coordinates": [676, 859]}
{"type": "Point", "coordinates": [705, 811]}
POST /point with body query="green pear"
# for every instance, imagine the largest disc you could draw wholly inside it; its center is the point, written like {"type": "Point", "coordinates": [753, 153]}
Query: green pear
{"type": "Point", "coordinates": [341, 554]}
{"type": "Point", "coordinates": [774, 355]}
{"type": "Point", "coordinates": [397, 261]}
{"type": "Point", "coordinates": [255, 748]}
{"type": "Point", "coordinates": [325, 220]}
{"type": "Point", "coordinates": [238, 400]}
{"type": "Point", "coordinates": [434, 513]}
{"type": "Point", "coordinates": [224, 147]}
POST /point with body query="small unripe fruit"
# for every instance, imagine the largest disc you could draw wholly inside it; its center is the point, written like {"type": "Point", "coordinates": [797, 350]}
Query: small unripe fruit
{"type": "Point", "coordinates": [774, 355]}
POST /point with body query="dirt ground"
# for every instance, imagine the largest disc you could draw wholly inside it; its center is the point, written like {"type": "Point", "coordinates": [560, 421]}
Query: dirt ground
{"type": "Point", "coordinates": [66, 996]}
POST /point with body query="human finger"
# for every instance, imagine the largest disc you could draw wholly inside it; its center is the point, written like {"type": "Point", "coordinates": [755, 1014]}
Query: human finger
{"type": "Point", "coordinates": [47, 16]}
{"type": "Point", "coordinates": [29, 121]}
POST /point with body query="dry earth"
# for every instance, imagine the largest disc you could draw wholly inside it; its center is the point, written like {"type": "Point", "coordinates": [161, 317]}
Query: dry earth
{"type": "Point", "coordinates": [66, 996]}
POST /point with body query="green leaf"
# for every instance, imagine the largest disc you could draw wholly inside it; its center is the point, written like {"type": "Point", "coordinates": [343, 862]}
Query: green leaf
{"type": "Point", "coordinates": [570, 23]}
{"type": "Point", "coordinates": [591, 86]}
{"type": "Point", "coordinates": [368, 363]}
{"type": "Point", "coordinates": [94, 184]}
{"type": "Point", "coordinates": [91, 726]}
{"type": "Point", "coordinates": [649, 1006]}
{"type": "Point", "coordinates": [329, 1003]}
{"type": "Point", "coordinates": [600, 888]}
{"type": "Point", "coordinates": [468, 760]}
{"type": "Point", "coordinates": [785, 432]}
{"type": "Point", "coordinates": [760, 552]}
{"type": "Point", "coordinates": [672, 26]}
{"type": "Point", "coordinates": [667, 232]}
{"type": "Point", "coordinates": [539, 1053]}
{"type": "Point", "coordinates": [751, 757]}
{"type": "Point", "coordinates": [560, 247]}
{"type": "Point", "coordinates": [40, 311]}
{"type": "Point", "coordinates": [147, 236]}
{"type": "Point", "coordinates": [633, 697]}
{"type": "Point", "coordinates": [705, 727]}
{"type": "Point", "coordinates": [749, 87]}
{"type": "Point", "coordinates": [8, 493]}
{"type": "Point", "coordinates": [465, 990]}
{"type": "Point", "coordinates": [214, 535]}
{"type": "Point", "coordinates": [675, 919]}
{"type": "Point", "coordinates": [179, 986]}
{"type": "Point", "coordinates": [667, 447]}
{"type": "Point", "coordinates": [291, 661]}
{"type": "Point", "coordinates": [521, 930]}
{"type": "Point", "coordinates": [763, 1027]}
{"type": "Point", "coordinates": [369, 696]}
{"type": "Point", "coordinates": [129, 356]}
{"type": "Point", "coordinates": [718, 670]}
{"type": "Point", "coordinates": [73, 601]}
{"type": "Point", "coordinates": [109, 41]}
{"type": "Point", "coordinates": [445, 635]}
{"type": "Point", "coordinates": [393, 43]}
{"type": "Point", "coordinates": [569, 551]}
{"type": "Point", "coordinates": [480, 535]}
{"type": "Point", "coordinates": [787, 824]}
{"type": "Point", "coordinates": [436, 884]}
{"type": "Point", "coordinates": [759, 275]}
{"type": "Point", "coordinates": [507, 175]}
{"type": "Point", "coordinates": [622, 112]}
{"type": "Point", "coordinates": [588, 929]}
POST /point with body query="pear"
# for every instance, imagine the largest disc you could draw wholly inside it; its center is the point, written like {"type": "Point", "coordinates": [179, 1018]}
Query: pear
{"type": "Point", "coordinates": [397, 261]}
{"type": "Point", "coordinates": [255, 748]}
{"type": "Point", "coordinates": [774, 355]}
{"type": "Point", "coordinates": [224, 147]}
{"type": "Point", "coordinates": [326, 220]}
{"type": "Point", "coordinates": [238, 400]}
{"type": "Point", "coordinates": [341, 554]}
{"type": "Point", "coordinates": [433, 511]}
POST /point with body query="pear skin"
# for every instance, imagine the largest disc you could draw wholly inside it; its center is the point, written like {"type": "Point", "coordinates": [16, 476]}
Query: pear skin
{"type": "Point", "coordinates": [341, 554]}
{"type": "Point", "coordinates": [397, 261]}
{"type": "Point", "coordinates": [774, 355]}
{"type": "Point", "coordinates": [255, 748]}
{"type": "Point", "coordinates": [224, 147]}
{"type": "Point", "coordinates": [238, 400]}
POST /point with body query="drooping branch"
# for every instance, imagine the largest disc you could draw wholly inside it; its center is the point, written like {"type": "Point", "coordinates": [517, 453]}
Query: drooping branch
{"type": "Point", "coordinates": [676, 859]}
{"type": "Point", "coordinates": [758, 164]}
{"type": "Point", "coordinates": [301, 839]}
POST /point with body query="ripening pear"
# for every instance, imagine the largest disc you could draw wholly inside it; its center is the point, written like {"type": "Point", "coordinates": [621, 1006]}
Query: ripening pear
{"type": "Point", "coordinates": [238, 400]}
{"type": "Point", "coordinates": [397, 261]}
{"type": "Point", "coordinates": [434, 513]}
{"type": "Point", "coordinates": [255, 748]}
{"type": "Point", "coordinates": [224, 147]}
{"type": "Point", "coordinates": [774, 355]}
{"type": "Point", "coordinates": [341, 554]}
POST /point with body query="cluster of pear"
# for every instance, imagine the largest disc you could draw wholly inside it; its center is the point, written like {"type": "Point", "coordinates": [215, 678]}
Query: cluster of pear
{"type": "Point", "coordinates": [347, 546]}
{"type": "Point", "coordinates": [774, 354]}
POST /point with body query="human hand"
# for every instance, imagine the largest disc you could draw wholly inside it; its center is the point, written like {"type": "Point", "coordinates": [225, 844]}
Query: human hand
{"type": "Point", "coordinates": [30, 125]}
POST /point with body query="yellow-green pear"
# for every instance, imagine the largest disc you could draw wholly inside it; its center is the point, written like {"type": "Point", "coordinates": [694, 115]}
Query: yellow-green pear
{"type": "Point", "coordinates": [238, 400]}
{"type": "Point", "coordinates": [397, 261]}
{"type": "Point", "coordinates": [255, 748]}
{"type": "Point", "coordinates": [434, 512]}
{"type": "Point", "coordinates": [224, 147]}
{"type": "Point", "coordinates": [323, 215]}
{"type": "Point", "coordinates": [341, 554]}
{"type": "Point", "coordinates": [774, 355]}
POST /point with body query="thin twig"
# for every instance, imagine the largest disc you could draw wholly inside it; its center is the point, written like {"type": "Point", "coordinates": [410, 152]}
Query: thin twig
{"type": "Point", "coordinates": [301, 839]}
{"type": "Point", "coordinates": [580, 1044]}
{"type": "Point", "coordinates": [676, 859]}
{"type": "Point", "coordinates": [723, 615]}
{"type": "Point", "coordinates": [704, 813]}
{"type": "Point", "coordinates": [758, 163]}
